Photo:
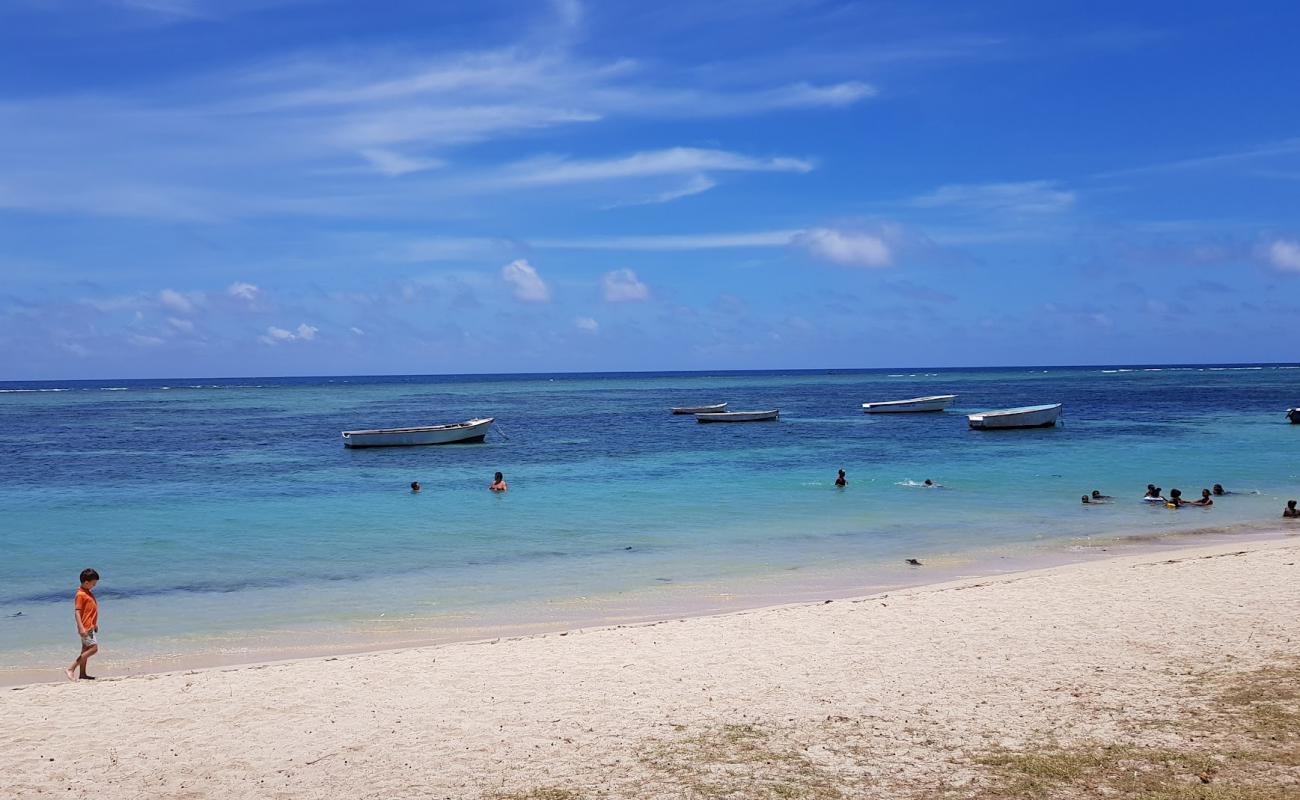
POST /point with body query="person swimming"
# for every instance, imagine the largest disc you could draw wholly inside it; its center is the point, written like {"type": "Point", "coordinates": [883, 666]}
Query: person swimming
{"type": "Point", "coordinates": [1205, 500]}
{"type": "Point", "coordinates": [1098, 497]}
{"type": "Point", "coordinates": [1219, 491]}
{"type": "Point", "coordinates": [929, 484]}
{"type": "Point", "coordinates": [1153, 494]}
{"type": "Point", "coordinates": [1087, 501]}
{"type": "Point", "coordinates": [415, 487]}
{"type": "Point", "coordinates": [498, 483]}
{"type": "Point", "coordinates": [1290, 512]}
{"type": "Point", "coordinates": [1175, 499]}
{"type": "Point", "coordinates": [839, 480]}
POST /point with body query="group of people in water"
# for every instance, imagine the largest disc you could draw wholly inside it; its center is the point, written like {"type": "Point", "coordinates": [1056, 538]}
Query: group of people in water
{"type": "Point", "coordinates": [1155, 494]}
{"type": "Point", "coordinates": [498, 484]}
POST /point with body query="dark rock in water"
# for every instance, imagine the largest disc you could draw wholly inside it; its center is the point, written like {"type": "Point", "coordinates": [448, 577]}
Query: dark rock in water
{"type": "Point", "coordinates": [914, 562]}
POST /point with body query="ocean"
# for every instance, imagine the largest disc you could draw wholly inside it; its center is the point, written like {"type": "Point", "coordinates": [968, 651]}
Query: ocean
{"type": "Point", "coordinates": [229, 523]}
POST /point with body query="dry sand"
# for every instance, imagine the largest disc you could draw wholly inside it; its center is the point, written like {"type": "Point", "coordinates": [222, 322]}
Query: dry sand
{"type": "Point", "coordinates": [891, 695]}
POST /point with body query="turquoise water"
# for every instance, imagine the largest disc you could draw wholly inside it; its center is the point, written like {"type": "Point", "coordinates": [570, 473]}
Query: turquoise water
{"type": "Point", "coordinates": [226, 517]}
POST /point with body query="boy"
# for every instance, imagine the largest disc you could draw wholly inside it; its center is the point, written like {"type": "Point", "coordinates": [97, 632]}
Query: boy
{"type": "Point", "coordinates": [87, 614]}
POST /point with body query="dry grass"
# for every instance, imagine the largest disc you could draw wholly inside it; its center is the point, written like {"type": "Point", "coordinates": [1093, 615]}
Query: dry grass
{"type": "Point", "coordinates": [745, 762]}
{"type": "Point", "coordinates": [1234, 736]}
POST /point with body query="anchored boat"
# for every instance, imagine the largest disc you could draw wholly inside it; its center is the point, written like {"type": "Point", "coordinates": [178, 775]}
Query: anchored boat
{"type": "Point", "coordinates": [699, 409]}
{"type": "Point", "coordinates": [1026, 417]}
{"type": "Point", "coordinates": [469, 431]}
{"type": "Point", "coordinates": [739, 416]}
{"type": "Point", "coordinates": [936, 402]}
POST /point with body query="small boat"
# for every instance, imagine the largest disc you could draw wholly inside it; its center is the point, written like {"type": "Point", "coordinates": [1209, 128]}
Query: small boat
{"type": "Point", "coordinates": [739, 416]}
{"type": "Point", "coordinates": [1293, 414]}
{"type": "Point", "coordinates": [699, 409]}
{"type": "Point", "coordinates": [1027, 417]}
{"type": "Point", "coordinates": [469, 431]}
{"type": "Point", "coordinates": [936, 402]}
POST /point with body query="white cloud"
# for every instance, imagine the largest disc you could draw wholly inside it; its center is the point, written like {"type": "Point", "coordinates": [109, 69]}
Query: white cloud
{"type": "Point", "coordinates": [586, 324]}
{"type": "Point", "coordinates": [1285, 255]}
{"type": "Point", "coordinates": [622, 286]}
{"type": "Point", "coordinates": [181, 325]}
{"type": "Point", "coordinates": [672, 161]}
{"type": "Point", "coordinates": [387, 162]}
{"type": "Point", "coordinates": [303, 333]}
{"type": "Point", "coordinates": [170, 298]}
{"type": "Point", "coordinates": [1027, 197]}
{"type": "Point", "coordinates": [846, 248]}
{"type": "Point", "coordinates": [244, 291]}
{"type": "Point", "coordinates": [528, 285]}
{"type": "Point", "coordinates": [357, 331]}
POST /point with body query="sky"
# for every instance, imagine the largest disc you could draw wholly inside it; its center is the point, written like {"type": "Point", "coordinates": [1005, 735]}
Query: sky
{"type": "Point", "coordinates": [288, 187]}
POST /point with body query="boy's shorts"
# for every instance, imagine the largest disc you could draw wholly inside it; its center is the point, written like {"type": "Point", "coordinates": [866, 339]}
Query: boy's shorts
{"type": "Point", "coordinates": [90, 639]}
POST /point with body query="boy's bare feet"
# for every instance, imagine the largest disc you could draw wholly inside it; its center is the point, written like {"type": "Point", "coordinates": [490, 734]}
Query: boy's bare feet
{"type": "Point", "coordinates": [69, 672]}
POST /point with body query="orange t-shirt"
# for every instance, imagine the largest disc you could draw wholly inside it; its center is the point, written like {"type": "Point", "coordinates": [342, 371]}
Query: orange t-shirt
{"type": "Point", "coordinates": [87, 610]}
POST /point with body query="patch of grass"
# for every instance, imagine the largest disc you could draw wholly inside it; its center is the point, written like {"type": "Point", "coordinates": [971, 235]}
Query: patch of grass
{"type": "Point", "coordinates": [1238, 738]}
{"type": "Point", "coordinates": [545, 793]}
{"type": "Point", "coordinates": [744, 762]}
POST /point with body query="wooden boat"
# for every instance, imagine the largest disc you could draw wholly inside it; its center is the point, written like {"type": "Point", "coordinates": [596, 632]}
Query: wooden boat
{"type": "Point", "coordinates": [1293, 414]}
{"type": "Point", "coordinates": [1026, 417]}
{"type": "Point", "coordinates": [739, 416]}
{"type": "Point", "coordinates": [699, 409]}
{"type": "Point", "coordinates": [936, 402]}
{"type": "Point", "coordinates": [469, 431]}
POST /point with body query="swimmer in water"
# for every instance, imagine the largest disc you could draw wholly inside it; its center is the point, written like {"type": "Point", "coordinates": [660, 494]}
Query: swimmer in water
{"type": "Point", "coordinates": [498, 483]}
{"type": "Point", "coordinates": [1098, 497]}
{"type": "Point", "coordinates": [415, 487]}
{"type": "Point", "coordinates": [1290, 512]}
{"type": "Point", "coordinates": [1175, 498]}
{"type": "Point", "coordinates": [1205, 500]}
{"type": "Point", "coordinates": [839, 480]}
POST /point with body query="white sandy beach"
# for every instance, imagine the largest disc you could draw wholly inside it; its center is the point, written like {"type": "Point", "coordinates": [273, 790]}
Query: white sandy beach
{"type": "Point", "coordinates": [891, 695]}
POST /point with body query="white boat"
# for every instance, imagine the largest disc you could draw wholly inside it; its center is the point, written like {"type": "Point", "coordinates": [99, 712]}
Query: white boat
{"type": "Point", "coordinates": [739, 416]}
{"type": "Point", "coordinates": [937, 402]}
{"type": "Point", "coordinates": [1027, 417]}
{"type": "Point", "coordinates": [469, 431]}
{"type": "Point", "coordinates": [1293, 414]}
{"type": "Point", "coordinates": [699, 409]}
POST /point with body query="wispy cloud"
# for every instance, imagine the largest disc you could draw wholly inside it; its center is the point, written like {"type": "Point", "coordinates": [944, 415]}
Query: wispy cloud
{"type": "Point", "coordinates": [393, 164]}
{"type": "Point", "coordinates": [1025, 197]}
{"type": "Point", "coordinates": [673, 161]}
{"type": "Point", "coordinates": [586, 324]}
{"type": "Point", "coordinates": [1282, 147]}
{"type": "Point", "coordinates": [527, 283]}
{"type": "Point", "coordinates": [669, 242]}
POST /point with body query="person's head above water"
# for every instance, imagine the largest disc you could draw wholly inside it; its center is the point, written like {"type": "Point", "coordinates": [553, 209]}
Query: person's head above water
{"type": "Point", "coordinates": [415, 486]}
{"type": "Point", "coordinates": [928, 482]}
{"type": "Point", "coordinates": [1290, 504]}
{"type": "Point", "coordinates": [841, 473]}
{"type": "Point", "coordinates": [1218, 488]}
{"type": "Point", "coordinates": [1205, 493]}
{"type": "Point", "coordinates": [1096, 493]}
{"type": "Point", "coordinates": [1175, 493]}
{"type": "Point", "coordinates": [1085, 498]}
{"type": "Point", "coordinates": [498, 477]}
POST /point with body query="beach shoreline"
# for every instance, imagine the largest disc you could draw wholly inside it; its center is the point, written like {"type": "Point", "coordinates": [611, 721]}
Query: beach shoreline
{"type": "Point", "coordinates": [925, 679]}
{"type": "Point", "coordinates": [670, 602]}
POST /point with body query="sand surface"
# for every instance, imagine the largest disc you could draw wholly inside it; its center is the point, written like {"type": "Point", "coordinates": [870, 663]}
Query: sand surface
{"type": "Point", "coordinates": [888, 695]}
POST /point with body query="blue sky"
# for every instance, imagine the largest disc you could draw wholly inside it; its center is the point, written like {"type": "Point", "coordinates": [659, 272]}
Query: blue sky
{"type": "Point", "coordinates": [281, 187]}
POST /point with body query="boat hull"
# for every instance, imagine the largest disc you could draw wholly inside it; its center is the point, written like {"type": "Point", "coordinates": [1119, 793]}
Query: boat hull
{"type": "Point", "coordinates": [740, 416]}
{"type": "Point", "coordinates": [913, 406]}
{"type": "Point", "coordinates": [699, 409]}
{"type": "Point", "coordinates": [474, 430]}
{"type": "Point", "coordinates": [1028, 417]}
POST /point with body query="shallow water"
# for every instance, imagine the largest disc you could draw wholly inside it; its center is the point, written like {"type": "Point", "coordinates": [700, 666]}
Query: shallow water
{"type": "Point", "coordinates": [226, 515]}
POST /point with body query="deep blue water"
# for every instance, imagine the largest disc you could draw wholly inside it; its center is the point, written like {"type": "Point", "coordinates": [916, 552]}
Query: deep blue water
{"type": "Point", "coordinates": [226, 513]}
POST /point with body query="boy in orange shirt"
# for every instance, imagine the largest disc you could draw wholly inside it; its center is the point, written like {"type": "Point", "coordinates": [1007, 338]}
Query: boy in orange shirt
{"type": "Point", "coordinates": [87, 614]}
